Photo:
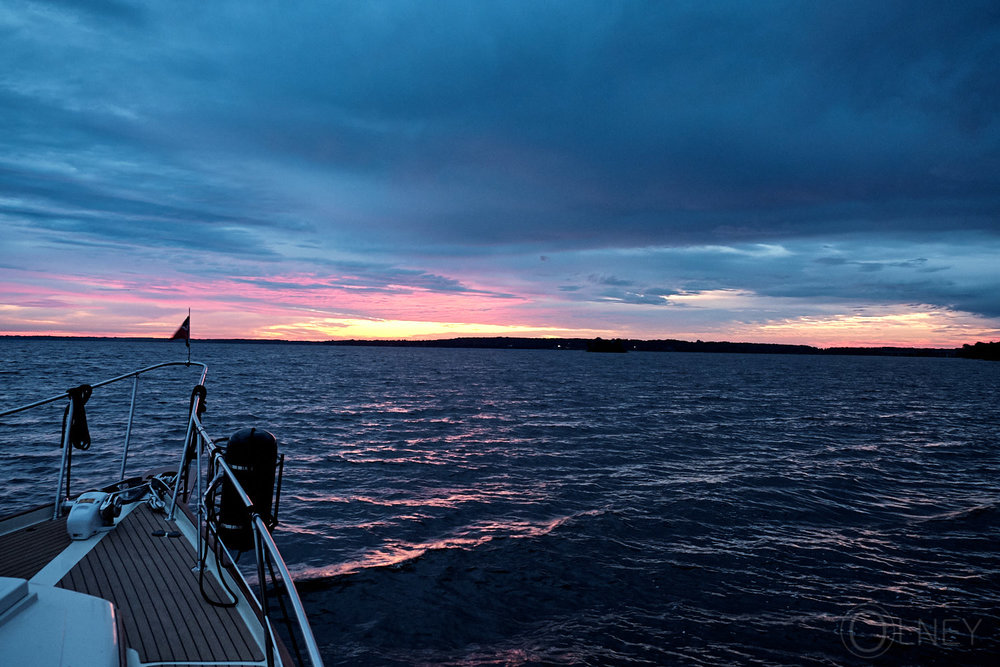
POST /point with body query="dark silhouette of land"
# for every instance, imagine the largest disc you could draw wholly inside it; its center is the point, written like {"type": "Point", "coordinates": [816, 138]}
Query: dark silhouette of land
{"type": "Point", "coordinates": [665, 345]}
{"type": "Point", "coordinates": [980, 350]}
{"type": "Point", "coordinates": [990, 351]}
{"type": "Point", "coordinates": [601, 345]}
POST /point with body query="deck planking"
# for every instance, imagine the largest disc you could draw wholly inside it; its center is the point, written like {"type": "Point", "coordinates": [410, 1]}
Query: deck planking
{"type": "Point", "coordinates": [26, 551]}
{"type": "Point", "coordinates": [151, 582]}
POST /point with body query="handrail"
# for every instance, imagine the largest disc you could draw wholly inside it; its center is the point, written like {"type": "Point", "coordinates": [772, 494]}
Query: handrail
{"type": "Point", "coordinates": [59, 397]}
{"type": "Point", "coordinates": [197, 431]}
{"type": "Point", "coordinates": [263, 536]}
{"type": "Point", "coordinates": [57, 505]}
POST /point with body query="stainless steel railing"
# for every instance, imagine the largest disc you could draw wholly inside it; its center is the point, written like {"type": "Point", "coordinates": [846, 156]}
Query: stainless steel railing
{"type": "Point", "coordinates": [264, 545]}
{"type": "Point", "coordinates": [63, 474]}
{"type": "Point", "coordinates": [266, 551]}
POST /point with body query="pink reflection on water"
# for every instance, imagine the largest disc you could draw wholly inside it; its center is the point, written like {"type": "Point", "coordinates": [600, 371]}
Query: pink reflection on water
{"type": "Point", "coordinates": [434, 497]}
{"type": "Point", "coordinates": [398, 553]}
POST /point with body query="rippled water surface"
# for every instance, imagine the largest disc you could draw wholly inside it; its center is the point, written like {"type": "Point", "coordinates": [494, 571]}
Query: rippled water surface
{"type": "Point", "coordinates": [480, 507]}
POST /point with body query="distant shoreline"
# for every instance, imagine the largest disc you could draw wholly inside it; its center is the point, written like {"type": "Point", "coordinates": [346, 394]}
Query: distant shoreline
{"type": "Point", "coordinates": [979, 350]}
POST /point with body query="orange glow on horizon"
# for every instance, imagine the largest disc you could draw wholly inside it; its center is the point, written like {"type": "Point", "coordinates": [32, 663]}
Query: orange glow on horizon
{"type": "Point", "coordinates": [925, 328]}
{"type": "Point", "coordinates": [361, 329]}
{"type": "Point", "coordinates": [901, 330]}
{"type": "Point", "coordinates": [310, 308]}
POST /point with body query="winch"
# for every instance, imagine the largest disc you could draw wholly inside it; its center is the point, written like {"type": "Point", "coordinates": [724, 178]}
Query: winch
{"type": "Point", "coordinates": [92, 512]}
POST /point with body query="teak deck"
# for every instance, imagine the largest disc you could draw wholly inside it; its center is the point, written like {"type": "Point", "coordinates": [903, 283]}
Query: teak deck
{"type": "Point", "coordinates": [153, 584]}
{"type": "Point", "coordinates": [24, 552]}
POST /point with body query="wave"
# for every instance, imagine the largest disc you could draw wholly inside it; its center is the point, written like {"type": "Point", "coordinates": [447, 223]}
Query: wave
{"type": "Point", "coordinates": [987, 513]}
{"type": "Point", "coordinates": [398, 555]}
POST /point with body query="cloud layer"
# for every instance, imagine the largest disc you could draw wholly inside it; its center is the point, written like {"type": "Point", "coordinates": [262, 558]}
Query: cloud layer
{"type": "Point", "coordinates": [744, 170]}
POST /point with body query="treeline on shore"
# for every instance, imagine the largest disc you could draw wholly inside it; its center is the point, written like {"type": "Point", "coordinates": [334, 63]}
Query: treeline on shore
{"type": "Point", "coordinates": [980, 350]}
{"type": "Point", "coordinates": [977, 351]}
{"type": "Point", "coordinates": [990, 351]}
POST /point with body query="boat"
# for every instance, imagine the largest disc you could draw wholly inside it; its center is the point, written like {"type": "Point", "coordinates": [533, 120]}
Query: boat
{"type": "Point", "coordinates": [601, 345]}
{"type": "Point", "coordinates": [144, 570]}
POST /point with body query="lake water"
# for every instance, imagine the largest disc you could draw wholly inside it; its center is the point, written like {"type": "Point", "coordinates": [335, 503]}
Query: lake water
{"type": "Point", "coordinates": [507, 507]}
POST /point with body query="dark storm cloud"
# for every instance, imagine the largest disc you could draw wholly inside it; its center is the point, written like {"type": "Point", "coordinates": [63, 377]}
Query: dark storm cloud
{"type": "Point", "coordinates": [586, 124]}
{"type": "Point", "coordinates": [609, 280]}
{"type": "Point", "coordinates": [662, 122]}
{"type": "Point", "coordinates": [102, 10]}
{"type": "Point", "coordinates": [373, 278]}
{"type": "Point", "coordinates": [66, 212]}
{"type": "Point", "coordinates": [957, 279]}
{"type": "Point", "coordinates": [423, 136]}
{"type": "Point", "coordinates": [974, 288]}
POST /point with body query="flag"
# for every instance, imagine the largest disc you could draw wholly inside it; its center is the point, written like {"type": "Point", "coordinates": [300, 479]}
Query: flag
{"type": "Point", "coordinates": [183, 331]}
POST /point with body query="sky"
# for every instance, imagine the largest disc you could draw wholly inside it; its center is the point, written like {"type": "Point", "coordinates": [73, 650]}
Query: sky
{"type": "Point", "coordinates": [824, 173]}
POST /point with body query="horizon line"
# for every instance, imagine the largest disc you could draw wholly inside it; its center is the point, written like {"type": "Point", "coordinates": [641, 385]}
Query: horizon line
{"type": "Point", "coordinates": [420, 341]}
